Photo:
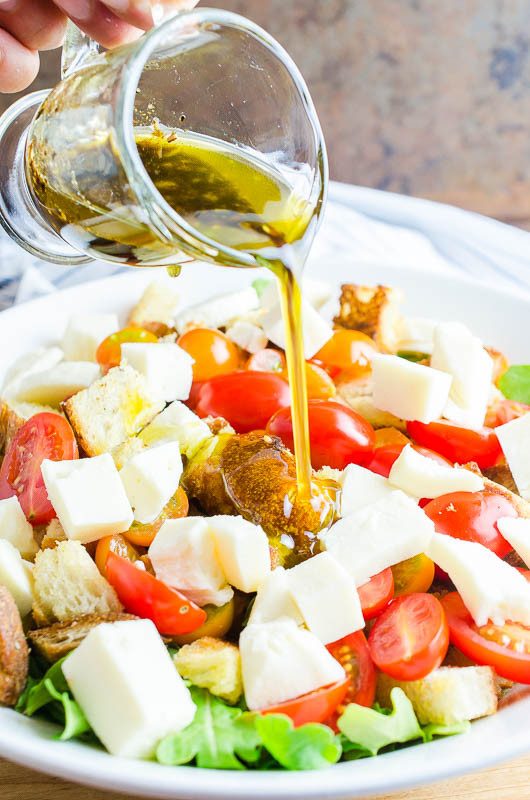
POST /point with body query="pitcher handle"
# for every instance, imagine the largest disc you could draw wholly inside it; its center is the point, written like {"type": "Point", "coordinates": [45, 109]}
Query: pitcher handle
{"type": "Point", "coordinates": [78, 50]}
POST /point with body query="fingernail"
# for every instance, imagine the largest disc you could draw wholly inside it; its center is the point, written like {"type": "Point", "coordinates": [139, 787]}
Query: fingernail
{"type": "Point", "coordinates": [120, 6]}
{"type": "Point", "coordinates": [8, 5]}
{"type": "Point", "coordinates": [77, 9]}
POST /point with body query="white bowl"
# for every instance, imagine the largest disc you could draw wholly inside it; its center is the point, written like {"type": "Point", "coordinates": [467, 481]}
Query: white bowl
{"type": "Point", "coordinates": [500, 317]}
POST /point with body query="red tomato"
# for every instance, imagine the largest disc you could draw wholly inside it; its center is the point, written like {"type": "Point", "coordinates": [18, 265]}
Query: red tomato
{"type": "Point", "coordinates": [247, 400]}
{"type": "Point", "coordinates": [213, 352]}
{"type": "Point", "coordinates": [45, 435]}
{"type": "Point", "coordinates": [472, 516]}
{"type": "Point", "coordinates": [503, 411]}
{"type": "Point", "coordinates": [457, 443]}
{"type": "Point", "coordinates": [108, 354]}
{"type": "Point", "coordinates": [193, 399]}
{"type": "Point", "coordinates": [384, 457]}
{"type": "Point", "coordinates": [266, 360]}
{"type": "Point", "coordinates": [315, 706]}
{"type": "Point", "coordinates": [506, 647]}
{"type": "Point", "coordinates": [147, 597]}
{"type": "Point", "coordinates": [353, 653]}
{"type": "Point", "coordinates": [376, 593]}
{"type": "Point", "coordinates": [410, 638]}
{"type": "Point", "coordinates": [338, 435]}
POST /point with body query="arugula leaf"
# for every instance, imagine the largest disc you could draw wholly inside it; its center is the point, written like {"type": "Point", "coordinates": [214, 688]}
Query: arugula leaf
{"type": "Point", "coordinates": [75, 722]}
{"type": "Point", "coordinates": [371, 730]}
{"type": "Point", "coordinates": [219, 736]}
{"type": "Point", "coordinates": [260, 284]}
{"type": "Point", "coordinates": [311, 746]}
{"type": "Point", "coordinates": [515, 383]}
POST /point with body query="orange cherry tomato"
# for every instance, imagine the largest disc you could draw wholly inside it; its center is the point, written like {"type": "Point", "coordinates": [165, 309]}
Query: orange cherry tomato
{"type": "Point", "coordinates": [390, 436]}
{"type": "Point", "coordinates": [348, 349]}
{"type": "Point", "coordinates": [266, 360]}
{"type": "Point", "coordinates": [218, 622]}
{"type": "Point", "coordinates": [319, 384]}
{"type": "Point", "coordinates": [410, 638]}
{"type": "Point", "coordinates": [376, 593]}
{"type": "Point", "coordinates": [115, 543]}
{"type": "Point", "coordinates": [213, 352]}
{"type": "Point", "coordinates": [143, 534]}
{"type": "Point", "coordinates": [108, 354]}
{"type": "Point", "coordinates": [413, 575]}
{"type": "Point", "coordinates": [315, 706]}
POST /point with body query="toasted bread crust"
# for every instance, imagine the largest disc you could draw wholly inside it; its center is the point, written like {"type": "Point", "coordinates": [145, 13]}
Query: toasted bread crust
{"type": "Point", "coordinates": [57, 640]}
{"type": "Point", "coordinates": [10, 422]}
{"type": "Point", "coordinates": [14, 651]}
{"type": "Point", "coordinates": [373, 310]}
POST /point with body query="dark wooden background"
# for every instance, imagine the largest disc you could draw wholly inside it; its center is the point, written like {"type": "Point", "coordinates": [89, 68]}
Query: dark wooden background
{"type": "Point", "coordinates": [422, 97]}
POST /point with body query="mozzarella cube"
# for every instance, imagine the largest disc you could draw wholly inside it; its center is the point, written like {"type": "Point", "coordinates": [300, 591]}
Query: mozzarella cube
{"type": "Point", "coordinates": [316, 330]}
{"type": "Point", "coordinates": [378, 536]}
{"type": "Point", "coordinates": [490, 588]}
{"type": "Point", "coordinates": [218, 311]}
{"type": "Point", "coordinates": [15, 528]}
{"type": "Point", "coordinates": [54, 385]}
{"type": "Point", "coordinates": [247, 335]}
{"type": "Point", "coordinates": [150, 478]}
{"type": "Point", "coordinates": [183, 556]}
{"type": "Point", "coordinates": [15, 575]}
{"type": "Point", "coordinates": [516, 531]}
{"type": "Point", "coordinates": [274, 600]}
{"type": "Point", "coordinates": [416, 335]}
{"type": "Point", "coordinates": [280, 661]}
{"type": "Point", "coordinates": [177, 422]}
{"type": "Point", "coordinates": [167, 368]}
{"type": "Point", "coordinates": [460, 354]}
{"type": "Point", "coordinates": [514, 438]}
{"type": "Point", "coordinates": [88, 497]}
{"type": "Point", "coordinates": [107, 676]}
{"type": "Point", "coordinates": [242, 550]}
{"type": "Point", "coordinates": [85, 332]}
{"type": "Point", "coordinates": [422, 477]}
{"type": "Point", "coordinates": [409, 390]}
{"type": "Point", "coordinates": [326, 596]}
{"type": "Point", "coordinates": [37, 361]}
{"type": "Point", "coordinates": [361, 487]}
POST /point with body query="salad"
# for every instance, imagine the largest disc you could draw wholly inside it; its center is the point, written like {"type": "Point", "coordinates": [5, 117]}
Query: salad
{"type": "Point", "coordinates": [167, 593]}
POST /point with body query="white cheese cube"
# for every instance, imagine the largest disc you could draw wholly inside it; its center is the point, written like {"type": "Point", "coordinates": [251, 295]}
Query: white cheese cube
{"type": "Point", "coordinates": [516, 531]}
{"type": "Point", "coordinates": [247, 335]}
{"type": "Point", "coordinates": [416, 334]}
{"type": "Point", "coordinates": [409, 390]}
{"type": "Point", "coordinates": [107, 676]}
{"type": "Point", "coordinates": [85, 332]}
{"type": "Point", "coordinates": [514, 438]}
{"type": "Point", "coordinates": [56, 384]}
{"type": "Point", "coordinates": [37, 361]}
{"type": "Point", "coordinates": [242, 550]}
{"type": "Point", "coordinates": [166, 366]}
{"type": "Point", "coordinates": [15, 528]}
{"type": "Point", "coordinates": [15, 575]}
{"type": "Point", "coordinates": [150, 478]}
{"type": "Point", "coordinates": [378, 536]}
{"type": "Point", "coordinates": [218, 311]}
{"type": "Point", "coordinates": [490, 588]}
{"type": "Point", "coordinates": [316, 330]}
{"type": "Point", "coordinates": [422, 477]}
{"type": "Point", "coordinates": [361, 487]}
{"type": "Point", "coordinates": [460, 354]}
{"type": "Point", "coordinates": [274, 600]}
{"type": "Point", "coordinates": [178, 422]}
{"type": "Point", "coordinates": [280, 661]}
{"type": "Point", "coordinates": [88, 497]}
{"type": "Point", "coordinates": [183, 556]}
{"type": "Point", "coordinates": [326, 596]}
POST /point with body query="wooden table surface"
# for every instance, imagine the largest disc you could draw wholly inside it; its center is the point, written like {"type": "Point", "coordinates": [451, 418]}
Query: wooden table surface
{"type": "Point", "coordinates": [509, 781]}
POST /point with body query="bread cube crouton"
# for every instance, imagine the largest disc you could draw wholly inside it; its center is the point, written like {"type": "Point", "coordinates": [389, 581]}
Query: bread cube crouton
{"type": "Point", "coordinates": [212, 664]}
{"type": "Point", "coordinates": [126, 450]}
{"type": "Point", "coordinates": [67, 585]}
{"type": "Point", "coordinates": [455, 658]}
{"type": "Point", "coordinates": [14, 652]}
{"type": "Point", "coordinates": [447, 695]}
{"type": "Point", "coordinates": [358, 394]}
{"type": "Point", "coordinates": [499, 486]}
{"type": "Point", "coordinates": [57, 640]}
{"type": "Point", "coordinates": [373, 310]}
{"type": "Point", "coordinates": [158, 304]}
{"type": "Point", "coordinates": [112, 409]}
{"type": "Point", "coordinates": [53, 535]}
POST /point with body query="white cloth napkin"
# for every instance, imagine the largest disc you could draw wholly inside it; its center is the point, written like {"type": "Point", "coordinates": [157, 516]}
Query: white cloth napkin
{"type": "Point", "coordinates": [366, 225]}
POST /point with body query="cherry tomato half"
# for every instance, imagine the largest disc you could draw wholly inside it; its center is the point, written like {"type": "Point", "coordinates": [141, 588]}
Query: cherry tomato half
{"type": "Point", "coordinates": [503, 410]}
{"type": "Point", "coordinates": [266, 360]}
{"type": "Point", "coordinates": [506, 647]}
{"type": "Point", "coordinates": [142, 534]}
{"type": "Point", "coordinates": [247, 400]}
{"type": "Point", "coordinates": [108, 354]}
{"type": "Point", "coordinates": [413, 575]}
{"type": "Point", "coordinates": [114, 543]}
{"type": "Point", "coordinates": [353, 653]}
{"type": "Point", "coordinates": [472, 516]}
{"type": "Point", "coordinates": [347, 349]}
{"type": "Point", "coordinates": [45, 435]}
{"type": "Point", "coordinates": [458, 443]}
{"type": "Point", "coordinates": [212, 351]}
{"type": "Point", "coordinates": [218, 622]}
{"type": "Point", "coordinates": [383, 457]}
{"type": "Point", "coordinates": [338, 435]}
{"type": "Point", "coordinates": [376, 593]}
{"type": "Point", "coordinates": [319, 385]}
{"type": "Point", "coordinates": [410, 638]}
{"type": "Point", "coordinates": [147, 597]}
{"type": "Point", "coordinates": [315, 706]}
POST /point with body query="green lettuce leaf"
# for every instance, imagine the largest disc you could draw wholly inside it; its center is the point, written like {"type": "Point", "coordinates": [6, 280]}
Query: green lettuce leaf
{"type": "Point", "coordinates": [219, 736]}
{"type": "Point", "coordinates": [310, 746]}
{"type": "Point", "coordinates": [515, 383]}
{"type": "Point", "coordinates": [412, 355]}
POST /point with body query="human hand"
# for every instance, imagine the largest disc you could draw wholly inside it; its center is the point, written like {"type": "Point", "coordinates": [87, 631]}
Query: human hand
{"type": "Point", "coordinates": [27, 26]}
